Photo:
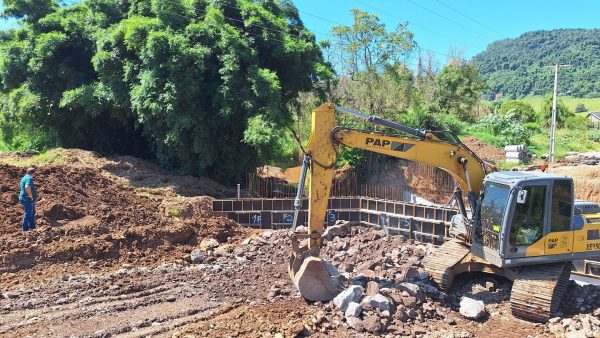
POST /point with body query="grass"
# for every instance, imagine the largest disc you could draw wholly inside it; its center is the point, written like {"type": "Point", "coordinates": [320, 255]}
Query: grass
{"type": "Point", "coordinates": [53, 156]}
{"type": "Point", "coordinates": [175, 212]}
{"type": "Point", "coordinates": [571, 102]}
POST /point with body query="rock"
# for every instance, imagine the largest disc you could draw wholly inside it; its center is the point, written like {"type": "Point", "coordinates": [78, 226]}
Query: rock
{"type": "Point", "coordinates": [10, 295]}
{"type": "Point", "coordinates": [372, 288]}
{"type": "Point", "coordinates": [247, 241]}
{"type": "Point", "coordinates": [354, 309]}
{"type": "Point", "coordinates": [419, 330]}
{"type": "Point", "coordinates": [267, 234]}
{"type": "Point", "coordinates": [412, 289]}
{"type": "Point", "coordinates": [208, 244]}
{"type": "Point", "coordinates": [197, 256]}
{"type": "Point", "coordinates": [351, 294]}
{"type": "Point", "coordinates": [409, 301]}
{"type": "Point", "coordinates": [355, 323]}
{"type": "Point", "coordinates": [373, 324]}
{"type": "Point", "coordinates": [378, 301]}
{"type": "Point", "coordinates": [471, 308]}
{"type": "Point", "coordinates": [340, 229]}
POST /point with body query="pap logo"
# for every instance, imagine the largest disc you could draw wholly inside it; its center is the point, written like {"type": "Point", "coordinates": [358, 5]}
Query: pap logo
{"type": "Point", "coordinates": [387, 144]}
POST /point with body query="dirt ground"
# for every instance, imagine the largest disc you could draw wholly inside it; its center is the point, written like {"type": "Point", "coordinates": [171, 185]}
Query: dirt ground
{"type": "Point", "coordinates": [122, 249]}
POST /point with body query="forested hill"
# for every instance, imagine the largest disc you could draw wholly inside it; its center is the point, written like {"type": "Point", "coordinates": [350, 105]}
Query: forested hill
{"type": "Point", "coordinates": [515, 67]}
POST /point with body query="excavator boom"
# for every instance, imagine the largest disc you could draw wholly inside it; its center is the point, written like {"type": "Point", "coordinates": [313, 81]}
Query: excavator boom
{"type": "Point", "coordinates": [316, 279]}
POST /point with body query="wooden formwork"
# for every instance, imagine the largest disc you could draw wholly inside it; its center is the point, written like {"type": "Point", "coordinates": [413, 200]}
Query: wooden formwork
{"type": "Point", "coordinates": [420, 222]}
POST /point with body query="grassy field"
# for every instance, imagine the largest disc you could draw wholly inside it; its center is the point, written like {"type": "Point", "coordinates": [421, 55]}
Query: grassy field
{"type": "Point", "coordinates": [571, 102]}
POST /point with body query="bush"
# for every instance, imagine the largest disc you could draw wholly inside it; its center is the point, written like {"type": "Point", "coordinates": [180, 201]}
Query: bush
{"type": "Point", "coordinates": [522, 111]}
{"type": "Point", "coordinates": [576, 123]}
{"type": "Point", "coordinates": [580, 108]}
{"type": "Point", "coordinates": [508, 128]}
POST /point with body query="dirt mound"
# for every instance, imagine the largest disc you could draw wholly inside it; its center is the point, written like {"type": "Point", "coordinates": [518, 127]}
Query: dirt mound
{"type": "Point", "coordinates": [483, 150]}
{"type": "Point", "coordinates": [84, 215]}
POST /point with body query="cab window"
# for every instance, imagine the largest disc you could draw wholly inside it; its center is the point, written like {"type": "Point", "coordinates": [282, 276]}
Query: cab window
{"type": "Point", "coordinates": [562, 197]}
{"type": "Point", "coordinates": [528, 218]}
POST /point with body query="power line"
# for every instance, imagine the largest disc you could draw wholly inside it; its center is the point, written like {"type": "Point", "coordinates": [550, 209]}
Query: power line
{"type": "Point", "coordinates": [445, 18]}
{"type": "Point", "coordinates": [417, 25]}
{"type": "Point", "coordinates": [470, 18]}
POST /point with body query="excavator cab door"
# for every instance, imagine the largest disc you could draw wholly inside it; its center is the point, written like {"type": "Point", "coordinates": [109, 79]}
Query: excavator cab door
{"type": "Point", "coordinates": [559, 238]}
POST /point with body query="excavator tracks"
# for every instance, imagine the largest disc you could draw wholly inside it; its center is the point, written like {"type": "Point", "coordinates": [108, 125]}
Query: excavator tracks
{"type": "Point", "coordinates": [538, 290]}
{"type": "Point", "coordinates": [440, 265]}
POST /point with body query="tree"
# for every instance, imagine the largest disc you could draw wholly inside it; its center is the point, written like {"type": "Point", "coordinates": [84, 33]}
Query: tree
{"type": "Point", "coordinates": [459, 87]}
{"type": "Point", "coordinates": [580, 108]}
{"type": "Point", "coordinates": [523, 111]}
{"type": "Point", "coordinates": [190, 83]}
{"type": "Point", "coordinates": [562, 112]}
{"type": "Point", "coordinates": [366, 44]}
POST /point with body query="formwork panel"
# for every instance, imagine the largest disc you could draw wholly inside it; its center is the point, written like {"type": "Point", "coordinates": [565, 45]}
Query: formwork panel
{"type": "Point", "coordinates": [287, 204]}
{"type": "Point", "coordinates": [227, 206]}
{"type": "Point", "coordinates": [345, 203]}
{"type": "Point", "coordinates": [355, 203]}
{"type": "Point", "coordinates": [389, 207]}
{"type": "Point", "coordinates": [429, 213]}
{"type": "Point", "coordinates": [267, 204]}
{"type": "Point", "coordinates": [419, 211]}
{"type": "Point", "coordinates": [237, 205]}
{"type": "Point", "coordinates": [380, 206]}
{"type": "Point", "coordinates": [409, 210]}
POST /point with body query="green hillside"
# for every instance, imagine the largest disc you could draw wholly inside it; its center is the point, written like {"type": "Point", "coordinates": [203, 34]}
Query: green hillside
{"type": "Point", "coordinates": [516, 67]}
{"type": "Point", "coordinates": [591, 104]}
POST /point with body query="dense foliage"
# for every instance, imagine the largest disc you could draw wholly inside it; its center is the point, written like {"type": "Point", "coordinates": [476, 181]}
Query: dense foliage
{"type": "Point", "coordinates": [516, 67]}
{"type": "Point", "coordinates": [202, 86]}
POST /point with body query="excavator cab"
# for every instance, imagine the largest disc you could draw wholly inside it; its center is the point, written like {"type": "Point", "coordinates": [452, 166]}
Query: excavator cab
{"type": "Point", "coordinates": [524, 218]}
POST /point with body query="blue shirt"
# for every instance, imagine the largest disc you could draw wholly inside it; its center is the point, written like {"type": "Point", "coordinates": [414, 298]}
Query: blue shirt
{"type": "Point", "coordinates": [27, 180]}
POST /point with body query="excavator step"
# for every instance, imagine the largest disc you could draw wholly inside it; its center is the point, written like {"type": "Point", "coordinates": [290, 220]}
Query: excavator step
{"type": "Point", "coordinates": [538, 290]}
{"type": "Point", "coordinates": [439, 265]}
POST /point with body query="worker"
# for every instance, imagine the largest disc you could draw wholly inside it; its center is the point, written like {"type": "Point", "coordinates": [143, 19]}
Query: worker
{"type": "Point", "coordinates": [28, 197]}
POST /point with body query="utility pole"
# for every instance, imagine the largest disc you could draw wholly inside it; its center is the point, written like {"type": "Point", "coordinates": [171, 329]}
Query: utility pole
{"type": "Point", "coordinates": [554, 98]}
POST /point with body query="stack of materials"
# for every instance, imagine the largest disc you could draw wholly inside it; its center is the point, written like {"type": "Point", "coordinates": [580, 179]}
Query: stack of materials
{"type": "Point", "coordinates": [516, 153]}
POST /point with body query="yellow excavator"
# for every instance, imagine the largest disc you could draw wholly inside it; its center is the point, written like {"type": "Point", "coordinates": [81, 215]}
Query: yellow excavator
{"type": "Point", "coordinates": [520, 225]}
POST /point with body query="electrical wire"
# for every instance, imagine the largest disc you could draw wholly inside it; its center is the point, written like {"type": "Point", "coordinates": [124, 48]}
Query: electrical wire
{"type": "Point", "coordinates": [416, 25]}
{"type": "Point", "coordinates": [470, 18]}
{"type": "Point", "coordinates": [445, 18]}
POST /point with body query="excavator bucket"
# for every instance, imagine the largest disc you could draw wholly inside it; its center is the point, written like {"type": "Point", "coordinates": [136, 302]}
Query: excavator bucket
{"type": "Point", "coordinates": [316, 279]}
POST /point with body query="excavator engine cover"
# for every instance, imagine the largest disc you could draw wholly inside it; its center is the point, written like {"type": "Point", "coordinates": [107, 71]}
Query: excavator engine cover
{"type": "Point", "coordinates": [316, 279]}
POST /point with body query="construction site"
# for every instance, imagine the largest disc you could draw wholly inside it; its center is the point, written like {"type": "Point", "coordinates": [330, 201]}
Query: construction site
{"type": "Point", "coordinates": [123, 249]}
{"type": "Point", "coordinates": [279, 168]}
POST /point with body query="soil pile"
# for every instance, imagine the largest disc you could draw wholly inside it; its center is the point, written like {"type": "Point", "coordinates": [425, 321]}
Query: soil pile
{"type": "Point", "coordinates": [84, 214]}
{"type": "Point", "coordinates": [483, 150]}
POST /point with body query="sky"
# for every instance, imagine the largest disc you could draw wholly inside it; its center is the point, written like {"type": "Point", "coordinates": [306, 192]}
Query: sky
{"type": "Point", "coordinates": [442, 25]}
{"type": "Point", "coordinates": [466, 25]}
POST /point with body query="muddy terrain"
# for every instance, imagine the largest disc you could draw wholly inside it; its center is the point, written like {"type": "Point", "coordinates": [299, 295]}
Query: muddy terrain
{"type": "Point", "coordinates": [122, 249]}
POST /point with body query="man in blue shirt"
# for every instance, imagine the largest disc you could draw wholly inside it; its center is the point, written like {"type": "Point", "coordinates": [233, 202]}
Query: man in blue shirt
{"type": "Point", "coordinates": [27, 197]}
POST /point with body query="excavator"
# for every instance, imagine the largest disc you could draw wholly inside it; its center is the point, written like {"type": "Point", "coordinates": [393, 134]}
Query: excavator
{"type": "Point", "coordinates": [520, 225]}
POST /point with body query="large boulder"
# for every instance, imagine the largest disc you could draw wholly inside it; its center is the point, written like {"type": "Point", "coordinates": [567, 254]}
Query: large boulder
{"type": "Point", "coordinates": [341, 229]}
{"type": "Point", "coordinates": [344, 298]}
{"type": "Point", "coordinates": [471, 308]}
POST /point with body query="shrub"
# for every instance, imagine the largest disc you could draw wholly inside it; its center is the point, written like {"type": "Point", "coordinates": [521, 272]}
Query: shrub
{"type": "Point", "coordinates": [580, 108]}
{"type": "Point", "coordinates": [508, 128]}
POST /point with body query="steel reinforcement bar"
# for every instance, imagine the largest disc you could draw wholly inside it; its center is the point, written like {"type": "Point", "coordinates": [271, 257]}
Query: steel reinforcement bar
{"type": "Point", "coordinates": [420, 222]}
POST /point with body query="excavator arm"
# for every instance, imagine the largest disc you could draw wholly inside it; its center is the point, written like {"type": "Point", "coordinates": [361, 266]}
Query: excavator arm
{"type": "Point", "coordinates": [315, 278]}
